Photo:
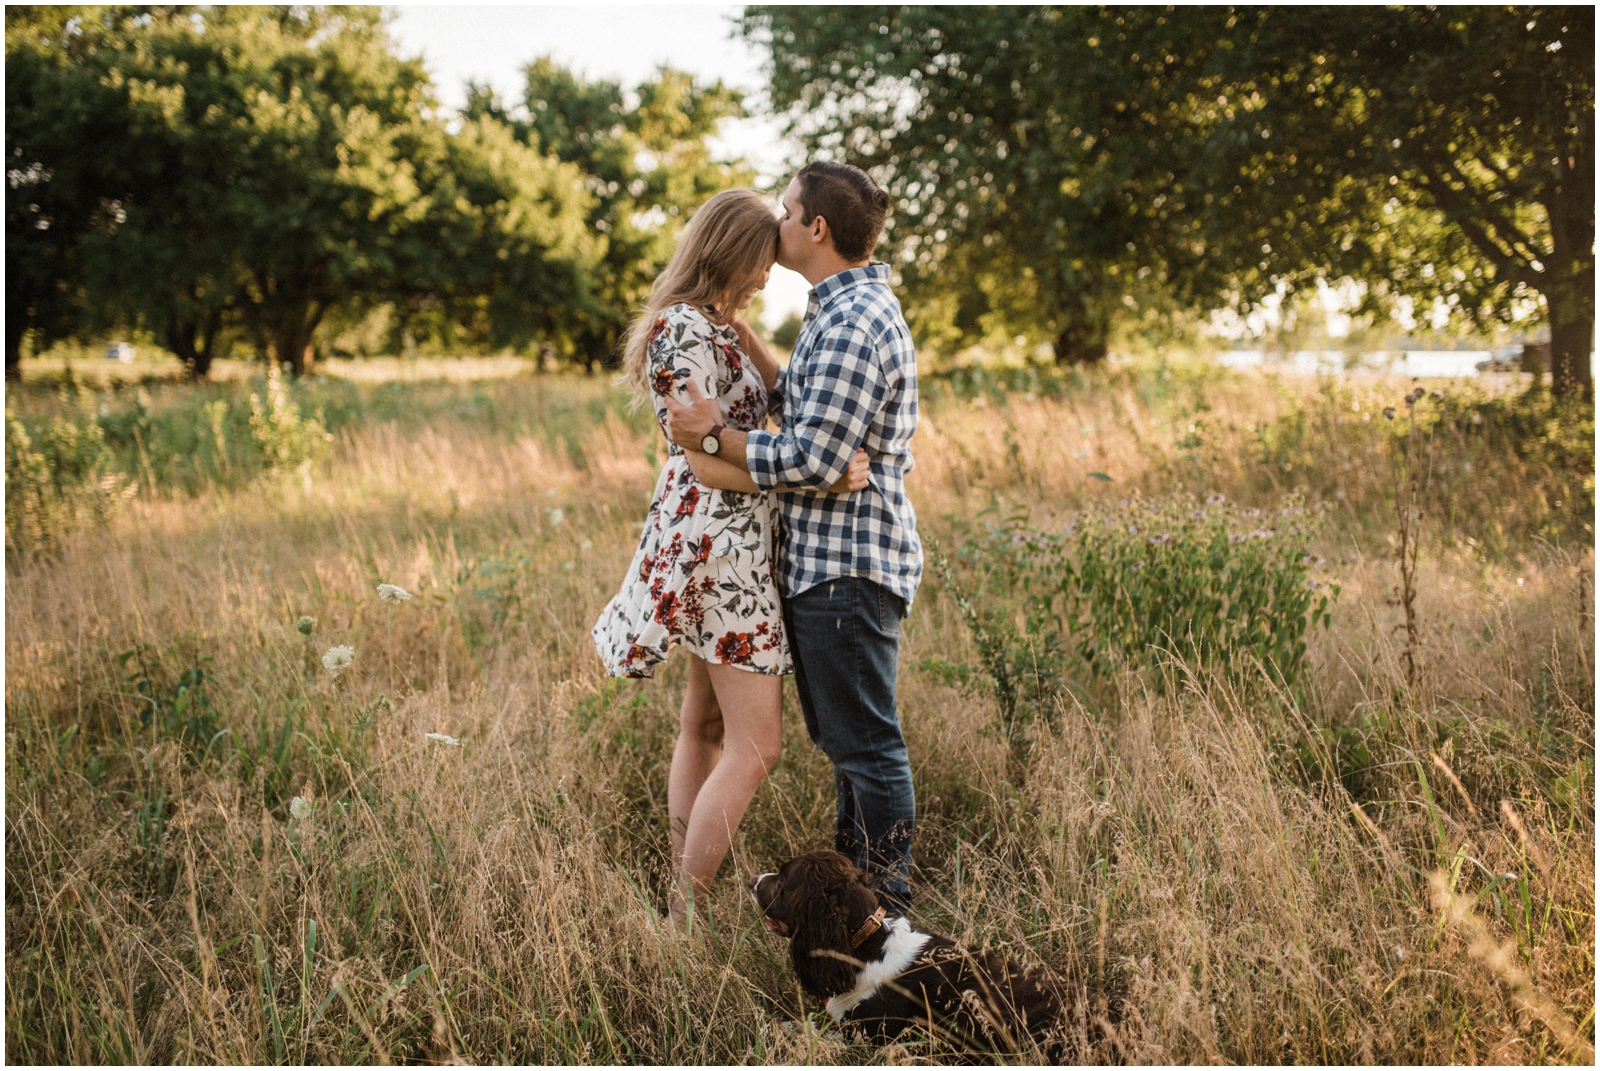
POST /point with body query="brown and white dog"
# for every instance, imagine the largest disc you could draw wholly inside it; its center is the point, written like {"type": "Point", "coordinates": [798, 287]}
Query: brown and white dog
{"type": "Point", "coordinates": [882, 976]}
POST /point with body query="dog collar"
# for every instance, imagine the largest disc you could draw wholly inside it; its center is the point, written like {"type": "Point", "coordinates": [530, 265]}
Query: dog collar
{"type": "Point", "coordinates": [873, 924]}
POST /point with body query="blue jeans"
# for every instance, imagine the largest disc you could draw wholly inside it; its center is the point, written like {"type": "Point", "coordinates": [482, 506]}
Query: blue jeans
{"type": "Point", "coordinates": [845, 638]}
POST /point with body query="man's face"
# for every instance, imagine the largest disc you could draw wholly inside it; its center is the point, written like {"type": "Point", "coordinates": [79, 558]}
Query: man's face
{"type": "Point", "coordinates": [794, 237]}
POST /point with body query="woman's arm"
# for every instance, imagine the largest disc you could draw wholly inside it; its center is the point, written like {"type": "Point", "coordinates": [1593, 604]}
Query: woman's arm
{"type": "Point", "coordinates": [726, 476]}
{"type": "Point", "coordinates": [765, 362]}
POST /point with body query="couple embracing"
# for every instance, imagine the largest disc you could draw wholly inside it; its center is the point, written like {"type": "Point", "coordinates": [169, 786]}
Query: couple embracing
{"type": "Point", "coordinates": [771, 552]}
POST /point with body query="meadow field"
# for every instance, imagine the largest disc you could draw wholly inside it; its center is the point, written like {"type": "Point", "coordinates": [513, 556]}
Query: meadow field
{"type": "Point", "coordinates": [218, 851]}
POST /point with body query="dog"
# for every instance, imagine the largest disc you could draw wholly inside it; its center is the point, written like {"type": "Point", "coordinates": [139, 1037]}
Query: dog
{"type": "Point", "coordinates": [878, 976]}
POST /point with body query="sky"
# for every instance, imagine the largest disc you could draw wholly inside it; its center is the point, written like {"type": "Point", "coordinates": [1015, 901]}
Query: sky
{"type": "Point", "coordinates": [623, 42]}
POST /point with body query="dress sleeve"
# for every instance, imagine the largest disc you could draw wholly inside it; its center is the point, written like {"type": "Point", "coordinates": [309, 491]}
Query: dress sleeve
{"type": "Point", "coordinates": [681, 348]}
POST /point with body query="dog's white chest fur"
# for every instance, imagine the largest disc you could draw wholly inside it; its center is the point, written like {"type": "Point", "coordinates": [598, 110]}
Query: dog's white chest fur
{"type": "Point", "coordinates": [900, 951]}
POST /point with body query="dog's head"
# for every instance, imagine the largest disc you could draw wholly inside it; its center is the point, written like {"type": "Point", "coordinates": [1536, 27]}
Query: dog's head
{"type": "Point", "coordinates": [819, 901]}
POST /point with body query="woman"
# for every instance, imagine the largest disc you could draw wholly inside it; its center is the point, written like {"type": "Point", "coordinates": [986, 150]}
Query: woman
{"type": "Point", "coordinates": [702, 576]}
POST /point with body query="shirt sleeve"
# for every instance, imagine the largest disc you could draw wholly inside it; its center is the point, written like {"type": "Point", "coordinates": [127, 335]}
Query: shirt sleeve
{"type": "Point", "coordinates": [681, 348]}
{"type": "Point", "coordinates": [844, 388]}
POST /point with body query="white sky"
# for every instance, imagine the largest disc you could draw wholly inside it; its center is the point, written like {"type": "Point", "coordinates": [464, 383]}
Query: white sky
{"type": "Point", "coordinates": [491, 43]}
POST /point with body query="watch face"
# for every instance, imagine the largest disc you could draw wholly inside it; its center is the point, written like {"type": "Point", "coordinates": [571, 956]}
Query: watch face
{"type": "Point", "coordinates": [710, 444]}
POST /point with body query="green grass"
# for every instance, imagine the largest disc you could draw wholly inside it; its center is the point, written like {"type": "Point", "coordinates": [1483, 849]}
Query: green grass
{"type": "Point", "coordinates": [1355, 870]}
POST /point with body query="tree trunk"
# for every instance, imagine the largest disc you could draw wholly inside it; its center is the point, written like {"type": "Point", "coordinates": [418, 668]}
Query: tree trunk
{"type": "Point", "coordinates": [1081, 339]}
{"type": "Point", "coordinates": [1569, 294]}
{"type": "Point", "coordinates": [195, 344]}
{"type": "Point", "coordinates": [291, 346]}
{"type": "Point", "coordinates": [16, 327]}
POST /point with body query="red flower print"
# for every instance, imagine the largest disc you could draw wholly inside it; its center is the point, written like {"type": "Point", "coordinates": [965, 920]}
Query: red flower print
{"type": "Point", "coordinates": [734, 359]}
{"type": "Point", "coordinates": [662, 382]}
{"type": "Point", "coordinates": [686, 504]}
{"type": "Point", "coordinates": [645, 566]}
{"type": "Point", "coordinates": [660, 326]}
{"type": "Point", "coordinates": [667, 610]}
{"type": "Point", "coordinates": [699, 551]}
{"type": "Point", "coordinates": [734, 649]}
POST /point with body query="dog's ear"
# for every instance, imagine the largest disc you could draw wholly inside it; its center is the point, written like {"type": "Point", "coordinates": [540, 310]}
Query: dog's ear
{"type": "Point", "coordinates": [827, 896]}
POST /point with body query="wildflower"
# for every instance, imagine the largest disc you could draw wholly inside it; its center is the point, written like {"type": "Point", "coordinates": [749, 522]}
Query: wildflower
{"type": "Point", "coordinates": [306, 625]}
{"type": "Point", "coordinates": [586, 544]}
{"type": "Point", "coordinates": [1157, 540]}
{"type": "Point", "coordinates": [1133, 529]}
{"type": "Point", "coordinates": [1237, 537]}
{"type": "Point", "coordinates": [557, 515]}
{"type": "Point", "coordinates": [338, 659]}
{"type": "Point", "coordinates": [1477, 418]}
{"type": "Point", "coordinates": [393, 593]}
{"type": "Point", "coordinates": [1252, 512]}
{"type": "Point", "coordinates": [1262, 533]}
{"type": "Point", "coordinates": [1292, 512]}
{"type": "Point", "coordinates": [1437, 395]}
{"type": "Point", "coordinates": [448, 741]}
{"type": "Point", "coordinates": [300, 808]}
{"type": "Point", "coordinates": [1216, 500]}
{"type": "Point", "coordinates": [1197, 515]}
{"type": "Point", "coordinates": [1388, 412]}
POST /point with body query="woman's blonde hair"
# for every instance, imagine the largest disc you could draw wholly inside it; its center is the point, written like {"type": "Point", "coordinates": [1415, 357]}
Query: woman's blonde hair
{"type": "Point", "coordinates": [726, 246]}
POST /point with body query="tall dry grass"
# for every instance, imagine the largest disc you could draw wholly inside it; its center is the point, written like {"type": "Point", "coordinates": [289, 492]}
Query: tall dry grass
{"type": "Point", "coordinates": [1357, 872]}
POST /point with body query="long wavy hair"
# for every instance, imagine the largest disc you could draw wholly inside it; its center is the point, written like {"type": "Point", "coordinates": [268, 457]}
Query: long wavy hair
{"type": "Point", "coordinates": [726, 246]}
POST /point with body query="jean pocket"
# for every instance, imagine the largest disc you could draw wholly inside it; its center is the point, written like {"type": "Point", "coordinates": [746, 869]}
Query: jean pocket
{"type": "Point", "coordinates": [891, 611]}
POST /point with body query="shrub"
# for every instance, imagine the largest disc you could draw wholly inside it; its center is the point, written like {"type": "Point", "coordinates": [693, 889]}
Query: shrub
{"type": "Point", "coordinates": [58, 478]}
{"type": "Point", "coordinates": [1215, 584]}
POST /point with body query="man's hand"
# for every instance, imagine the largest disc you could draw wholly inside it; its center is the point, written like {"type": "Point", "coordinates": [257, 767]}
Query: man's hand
{"type": "Point", "coordinates": [855, 477]}
{"type": "Point", "coordinates": [688, 424]}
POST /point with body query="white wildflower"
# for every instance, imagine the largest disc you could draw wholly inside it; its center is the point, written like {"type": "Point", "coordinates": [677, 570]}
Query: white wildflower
{"type": "Point", "coordinates": [338, 659]}
{"type": "Point", "coordinates": [443, 739]}
{"type": "Point", "coordinates": [1216, 500]}
{"type": "Point", "coordinates": [393, 593]}
{"type": "Point", "coordinates": [557, 515]}
{"type": "Point", "coordinates": [1262, 533]}
{"type": "Point", "coordinates": [300, 808]}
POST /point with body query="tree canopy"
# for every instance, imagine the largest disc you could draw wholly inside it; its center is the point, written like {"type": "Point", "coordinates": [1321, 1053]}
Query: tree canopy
{"type": "Point", "coordinates": [1054, 166]}
{"type": "Point", "coordinates": [214, 172]}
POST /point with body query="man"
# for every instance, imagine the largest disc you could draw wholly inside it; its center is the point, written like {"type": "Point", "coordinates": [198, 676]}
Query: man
{"type": "Point", "coordinates": [848, 564]}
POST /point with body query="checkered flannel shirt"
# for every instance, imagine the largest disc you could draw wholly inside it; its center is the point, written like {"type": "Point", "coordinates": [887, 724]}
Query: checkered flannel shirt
{"type": "Point", "coordinates": [852, 382]}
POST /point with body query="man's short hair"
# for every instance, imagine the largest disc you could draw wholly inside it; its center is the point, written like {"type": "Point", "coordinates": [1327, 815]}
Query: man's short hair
{"type": "Point", "coordinates": [849, 200]}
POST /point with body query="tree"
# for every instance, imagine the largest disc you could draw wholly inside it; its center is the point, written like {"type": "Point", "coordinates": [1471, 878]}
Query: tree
{"type": "Point", "coordinates": [1462, 140]}
{"type": "Point", "coordinates": [58, 119]}
{"type": "Point", "coordinates": [1056, 160]}
{"type": "Point", "coordinates": [647, 165]}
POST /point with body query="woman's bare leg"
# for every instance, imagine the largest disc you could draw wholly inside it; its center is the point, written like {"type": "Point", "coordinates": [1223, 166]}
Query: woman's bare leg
{"type": "Point", "coordinates": [694, 756]}
{"type": "Point", "coordinates": [752, 737]}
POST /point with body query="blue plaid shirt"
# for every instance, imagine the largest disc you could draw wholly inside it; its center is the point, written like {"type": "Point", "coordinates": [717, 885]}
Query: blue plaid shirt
{"type": "Point", "coordinates": [852, 382]}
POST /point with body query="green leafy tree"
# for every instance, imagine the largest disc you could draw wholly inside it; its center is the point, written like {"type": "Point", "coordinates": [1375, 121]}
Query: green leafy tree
{"type": "Point", "coordinates": [59, 118]}
{"type": "Point", "coordinates": [647, 162]}
{"type": "Point", "coordinates": [206, 171]}
{"type": "Point", "coordinates": [1053, 166]}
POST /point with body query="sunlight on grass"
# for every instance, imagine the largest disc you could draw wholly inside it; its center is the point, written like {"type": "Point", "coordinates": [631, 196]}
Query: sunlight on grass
{"type": "Point", "coordinates": [454, 848]}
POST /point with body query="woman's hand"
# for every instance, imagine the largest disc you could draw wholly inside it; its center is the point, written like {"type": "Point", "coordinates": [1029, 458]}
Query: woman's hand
{"type": "Point", "coordinates": [855, 476]}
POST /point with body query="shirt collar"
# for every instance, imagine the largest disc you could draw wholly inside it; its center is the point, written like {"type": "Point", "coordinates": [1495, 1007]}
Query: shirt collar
{"type": "Point", "coordinates": [875, 272]}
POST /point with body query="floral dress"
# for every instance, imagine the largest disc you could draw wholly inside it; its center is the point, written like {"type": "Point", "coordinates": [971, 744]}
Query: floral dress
{"type": "Point", "coordinates": [702, 575]}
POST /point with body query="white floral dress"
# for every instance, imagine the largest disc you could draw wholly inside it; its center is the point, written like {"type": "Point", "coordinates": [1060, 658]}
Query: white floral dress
{"type": "Point", "coordinates": [702, 575]}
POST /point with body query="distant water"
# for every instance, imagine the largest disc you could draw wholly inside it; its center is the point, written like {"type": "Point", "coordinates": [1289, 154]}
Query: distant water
{"type": "Point", "coordinates": [1454, 363]}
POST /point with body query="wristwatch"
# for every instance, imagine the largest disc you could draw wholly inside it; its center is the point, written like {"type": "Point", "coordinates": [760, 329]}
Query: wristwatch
{"type": "Point", "coordinates": [709, 441]}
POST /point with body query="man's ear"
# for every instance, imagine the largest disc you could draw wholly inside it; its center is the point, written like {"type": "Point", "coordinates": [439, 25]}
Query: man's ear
{"type": "Point", "coordinates": [820, 231]}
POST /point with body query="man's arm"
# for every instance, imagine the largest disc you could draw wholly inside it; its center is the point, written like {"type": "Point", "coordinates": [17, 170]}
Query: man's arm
{"type": "Point", "coordinates": [844, 389]}
{"type": "Point", "coordinates": [686, 425]}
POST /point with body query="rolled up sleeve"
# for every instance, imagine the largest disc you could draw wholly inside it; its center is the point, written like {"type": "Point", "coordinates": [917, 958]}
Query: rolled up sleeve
{"type": "Point", "coordinates": [828, 418]}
